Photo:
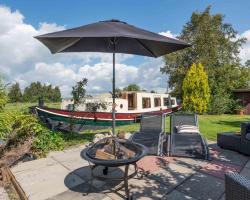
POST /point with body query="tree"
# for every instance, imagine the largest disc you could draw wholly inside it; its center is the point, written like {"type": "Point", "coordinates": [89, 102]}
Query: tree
{"type": "Point", "coordinates": [15, 94]}
{"type": "Point", "coordinates": [3, 95]}
{"type": "Point", "coordinates": [132, 87]}
{"type": "Point", "coordinates": [216, 46]}
{"type": "Point", "coordinates": [195, 88]}
{"type": "Point", "coordinates": [57, 94]}
{"type": "Point", "coordinates": [37, 91]}
{"type": "Point", "coordinates": [79, 92]}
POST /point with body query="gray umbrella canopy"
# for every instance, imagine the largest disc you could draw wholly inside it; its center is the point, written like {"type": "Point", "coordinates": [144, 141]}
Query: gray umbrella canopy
{"type": "Point", "coordinates": [112, 36]}
{"type": "Point", "coordinates": [96, 37]}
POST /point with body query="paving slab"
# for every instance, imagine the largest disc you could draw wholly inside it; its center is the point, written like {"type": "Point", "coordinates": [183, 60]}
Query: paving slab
{"type": "Point", "coordinates": [153, 163]}
{"type": "Point", "coordinates": [48, 181]}
{"type": "Point", "coordinates": [229, 156]}
{"type": "Point", "coordinates": [3, 194]}
{"type": "Point", "coordinates": [143, 189]}
{"type": "Point", "coordinates": [245, 172]}
{"type": "Point", "coordinates": [248, 164]}
{"type": "Point", "coordinates": [80, 192]}
{"type": "Point", "coordinates": [71, 159]}
{"type": "Point", "coordinates": [33, 165]}
{"type": "Point", "coordinates": [172, 175]}
{"type": "Point", "coordinates": [223, 197]}
{"type": "Point", "coordinates": [190, 162]}
{"type": "Point", "coordinates": [218, 169]}
{"type": "Point", "coordinates": [203, 187]}
{"type": "Point", "coordinates": [176, 195]}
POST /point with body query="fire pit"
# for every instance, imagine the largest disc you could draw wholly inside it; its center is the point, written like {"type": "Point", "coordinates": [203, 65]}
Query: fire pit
{"type": "Point", "coordinates": [114, 152]}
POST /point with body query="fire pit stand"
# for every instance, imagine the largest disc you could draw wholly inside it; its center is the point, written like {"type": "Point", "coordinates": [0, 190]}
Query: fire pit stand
{"type": "Point", "coordinates": [90, 155]}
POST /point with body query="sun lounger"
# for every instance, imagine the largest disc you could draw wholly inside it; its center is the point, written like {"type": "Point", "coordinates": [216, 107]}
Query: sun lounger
{"type": "Point", "coordinates": [185, 139]}
{"type": "Point", "coordinates": [152, 133]}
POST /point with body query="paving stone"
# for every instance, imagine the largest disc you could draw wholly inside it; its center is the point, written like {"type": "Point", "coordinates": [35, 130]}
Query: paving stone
{"type": "Point", "coordinates": [202, 186]}
{"type": "Point", "coordinates": [3, 194]}
{"type": "Point", "coordinates": [218, 169]}
{"type": "Point", "coordinates": [245, 172]}
{"type": "Point", "coordinates": [190, 162]}
{"type": "Point", "coordinates": [142, 189]}
{"type": "Point", "coordinates": [71, 159]}
{"type": "Point", "coordinates": [153, 163]}
{"type": "Point", "coordinates": [176, 195]}
{"type": "Point", "coordinates": [80, 192]}
{"type": "Point", "coordinates": [43, 183]}
{"type": "Point", "coordinates": [228, 156]}
{"type": "Point", "coordinates": [223, 197]}
{"type": "Point", "coordinates": [147, 188]}
{"type": "Point", "coordinates": [34, 165]}
{"type": "Point", "coordinates": [248, 164]}
{"type": "Point", "coordinates": [172, 174]}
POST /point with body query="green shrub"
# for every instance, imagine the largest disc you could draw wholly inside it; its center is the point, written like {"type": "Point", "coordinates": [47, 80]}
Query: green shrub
{"type": "Point", "coordinates": [47, 141]}
{"type": "Point", "coordinates": [196, 92]}
{"type": "Point", "coordinates": [17, 127]}
{"type": "Point", "coordinates": [6, 121]}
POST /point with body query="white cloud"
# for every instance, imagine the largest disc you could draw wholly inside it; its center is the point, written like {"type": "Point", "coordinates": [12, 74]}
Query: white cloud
{"type": "Point", "coordinates": [245, 51]}
{"type": "Point", "coordinates": [24, 59]}
{"type": "Point", "coordinates": [168, 34]}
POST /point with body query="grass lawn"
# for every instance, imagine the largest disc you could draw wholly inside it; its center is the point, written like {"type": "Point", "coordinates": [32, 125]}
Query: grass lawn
{"type": "Point", "coordinates": [209, 125]}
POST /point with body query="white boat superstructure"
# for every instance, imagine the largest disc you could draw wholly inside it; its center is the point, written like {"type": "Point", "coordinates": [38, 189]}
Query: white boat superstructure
{"type": "Point", "coordinates": [127, 102]}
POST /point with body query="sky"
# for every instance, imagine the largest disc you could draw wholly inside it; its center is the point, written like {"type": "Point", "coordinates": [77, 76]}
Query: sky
{"type": "Point", "coordinates": [23, 59]}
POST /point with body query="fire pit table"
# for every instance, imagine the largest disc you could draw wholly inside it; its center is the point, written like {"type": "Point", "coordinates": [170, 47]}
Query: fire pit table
{"type": "Point", "coordinates": [114, 152]}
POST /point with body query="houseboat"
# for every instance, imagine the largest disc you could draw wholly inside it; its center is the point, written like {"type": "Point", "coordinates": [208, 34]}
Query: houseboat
{"type": "Point", "coordinates": [97, 110]}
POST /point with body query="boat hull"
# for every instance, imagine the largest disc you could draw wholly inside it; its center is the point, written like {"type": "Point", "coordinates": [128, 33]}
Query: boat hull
{"type": "Point", "coordinates": [92, 118]}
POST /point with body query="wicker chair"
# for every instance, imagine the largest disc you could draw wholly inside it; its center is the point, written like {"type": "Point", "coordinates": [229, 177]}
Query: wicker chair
{"type": "Point", "coordinates": [152, 133]}
{"type": "Point", "coordinates": [231, 141]}
{"type": "Point", "coordinates": [237, 187]}
{"type": "Point", "coordinates": [245, 140]}
{"type": "Point", "coordinates": [186, 144]}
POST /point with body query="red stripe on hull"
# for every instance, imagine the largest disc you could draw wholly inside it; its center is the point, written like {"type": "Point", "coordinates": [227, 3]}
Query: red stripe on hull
{"type": "Point", "coordinates": [105, 115]}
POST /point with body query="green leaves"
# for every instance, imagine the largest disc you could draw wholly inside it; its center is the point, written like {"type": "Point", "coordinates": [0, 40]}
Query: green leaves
{"type": "Point", "coordinates": [79, 92]}
{"type": "Point", "coordinates": [196, 92]}
{"type": "Point", "coordinates": [3, 95]}
{"type": "Point", "coordinates": [36, 90]}
{"type": "Point", "coordinates": [216, 46]}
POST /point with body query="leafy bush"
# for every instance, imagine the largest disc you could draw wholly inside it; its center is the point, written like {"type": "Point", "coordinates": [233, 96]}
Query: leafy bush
{"type": "Point", "coordinates": [3, 95]}
{"type": "Point", "coordinates": [221, 103]}
{"type": "Point", "coordinates": [47, 141]}
{"type": "Point", "coordinates": [6, 121]}
{"type": "Point", "coordinates": [15, 128]}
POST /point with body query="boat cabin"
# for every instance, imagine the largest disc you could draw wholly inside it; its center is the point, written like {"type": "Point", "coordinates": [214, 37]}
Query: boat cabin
{"type": "Point", "coordinates": [127, 102]}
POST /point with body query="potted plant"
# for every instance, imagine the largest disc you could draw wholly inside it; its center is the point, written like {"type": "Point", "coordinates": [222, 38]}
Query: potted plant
{"type": "Point", "coordinates": [239, 110]}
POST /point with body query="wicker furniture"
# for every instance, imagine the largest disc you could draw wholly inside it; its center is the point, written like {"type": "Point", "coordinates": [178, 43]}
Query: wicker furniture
{"type": "Point", "coordinates": [237, 187]}
{"type": "Point", "coordinates": [229, 140]}
{"type": "Point", "coordinates": [189, 144]}
{"type": "Point", "coordinates": [245, 140]}
{"type": "Point", "coordinates": [152, 133]}
{"type": "Point", "coordinates": [239, 143]}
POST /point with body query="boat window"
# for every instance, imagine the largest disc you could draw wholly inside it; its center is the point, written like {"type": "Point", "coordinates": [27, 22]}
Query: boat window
{"type": "Point", "coordinates": [157, 101]}
{"type": "Point", "coordinates": [70, 107]}
{"type": "Point", "coordinates": [172, 101]}
{"type": "Point", "coordinates": [146, 102]}
{"type": "Point", "coordinates": [121, 106]}
{"type": "Point", "coordinates": [166, 101]}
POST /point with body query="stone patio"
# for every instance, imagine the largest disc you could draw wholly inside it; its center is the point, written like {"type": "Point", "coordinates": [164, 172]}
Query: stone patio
{"type": "Point", "coordinates": [65, 176]}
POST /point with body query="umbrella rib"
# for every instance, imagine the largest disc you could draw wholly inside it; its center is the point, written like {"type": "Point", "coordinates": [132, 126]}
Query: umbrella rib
{"type": "Point", "coordinates": [145, 47]}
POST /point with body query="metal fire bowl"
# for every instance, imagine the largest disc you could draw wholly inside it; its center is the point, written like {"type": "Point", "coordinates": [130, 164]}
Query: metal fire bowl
{"type": "Point", "coordinates": [139, 149]}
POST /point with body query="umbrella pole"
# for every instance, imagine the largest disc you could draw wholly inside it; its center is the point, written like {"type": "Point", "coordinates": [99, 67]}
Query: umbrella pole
{"type": "Point", "coordinates": [113, 95]}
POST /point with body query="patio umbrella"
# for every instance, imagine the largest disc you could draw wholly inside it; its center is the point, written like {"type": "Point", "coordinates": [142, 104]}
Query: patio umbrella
{"type": "Point", "coordinates": [112, 36]}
